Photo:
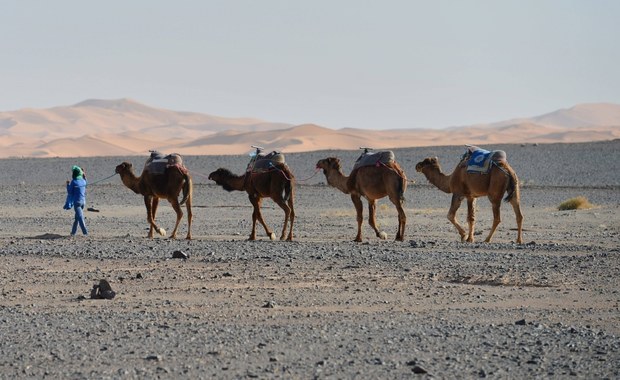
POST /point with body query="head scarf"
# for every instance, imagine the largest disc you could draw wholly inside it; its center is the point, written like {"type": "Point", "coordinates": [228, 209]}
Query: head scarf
{"type": "Point", "coordinates": [77, 172]}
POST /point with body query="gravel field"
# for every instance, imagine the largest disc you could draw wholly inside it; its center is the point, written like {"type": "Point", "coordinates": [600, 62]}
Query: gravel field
{"type": "Point", "coordinates": [322, 306]}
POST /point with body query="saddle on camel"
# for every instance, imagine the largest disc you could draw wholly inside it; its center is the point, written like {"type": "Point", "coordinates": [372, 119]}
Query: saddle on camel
{"type": "Point", "coordinates": [157, 163]}
{"type": "Point", "coordinates": [480, 161]}
{"type": "Point", "coordinates": [261, 162]}
{"type": "Point", "coordinates": [368, 158]}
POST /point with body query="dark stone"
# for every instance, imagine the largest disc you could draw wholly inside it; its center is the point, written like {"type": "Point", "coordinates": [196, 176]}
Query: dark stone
{"type": "Point", "coordinates": [180, 255]}
{"type": "Point", "coordinates": [102, 291]}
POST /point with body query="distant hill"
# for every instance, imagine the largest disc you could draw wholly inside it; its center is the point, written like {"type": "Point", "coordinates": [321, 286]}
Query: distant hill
{"type": "Point", "coordinates": [126, 127]}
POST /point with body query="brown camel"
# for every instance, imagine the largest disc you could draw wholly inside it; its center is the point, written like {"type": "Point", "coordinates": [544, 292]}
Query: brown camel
{"type": "Point", "coordinates": [277, 183]}
{"type": "Point", "coordinates": [372, 183]}
{"type": "Point", "coordinates": [167, 185]}
{"type": "Point", "coordinates": [464, 185]}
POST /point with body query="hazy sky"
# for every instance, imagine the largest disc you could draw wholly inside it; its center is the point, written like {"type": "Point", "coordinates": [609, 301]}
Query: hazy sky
{"type": "Point", "coordinates": [337, 63]}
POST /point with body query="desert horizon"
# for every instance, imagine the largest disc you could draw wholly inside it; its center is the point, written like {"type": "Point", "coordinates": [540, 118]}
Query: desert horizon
{"type": "Point", "coordinates": [125, 127]}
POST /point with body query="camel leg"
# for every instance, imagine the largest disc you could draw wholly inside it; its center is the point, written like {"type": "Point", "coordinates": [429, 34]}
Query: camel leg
{"type": "Point", "coordinates": [517, 209]}
{"type": "Point", "coordinates": [454, 206]}
{"type": "Point", "coordinates": [151, 204]}
{"type": "Point", "coordinates": [174, 202]}
{"type": "Point", "coordinates": [359, 208]}
{"type": "Point", "coordinates": [287, 212]}
{"type": "Point", "coordinates": [471, 218]}
{"type": "Point", "coordinates": [402, 219]}
{"type": "Point", "coordinates": [155, 206]}
{"type": "Point", "coordinates": [257, 215]}
{"type": "Point", "coordinates": [292, 218]}
{"type": "Point", "coordinates": [188, 206]}
{"type": "Point", "coordinates": [148, 202]}
{"type": "Point", "coordinates": [495, 204]}
{"type": "Point", "coordinates": [372, 218]}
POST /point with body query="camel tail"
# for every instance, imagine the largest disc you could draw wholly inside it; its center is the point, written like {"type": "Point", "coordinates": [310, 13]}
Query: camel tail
{"type": "Point", "coordinates": [288, 184]}
{"type": "Point", "coordinates": [187, 188]}
{"type": "Point", "coordinates": [288, 189]}
{"type": "Point", "coordinates": [401, 188]}
{"type": "Point", "coordinates": [513, 184]}
{"type": "Point", "coordinates": [402, 184]}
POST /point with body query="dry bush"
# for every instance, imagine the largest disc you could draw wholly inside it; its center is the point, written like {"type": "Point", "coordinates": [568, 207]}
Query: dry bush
{"type": "Point", "coordinates": [578, 203]}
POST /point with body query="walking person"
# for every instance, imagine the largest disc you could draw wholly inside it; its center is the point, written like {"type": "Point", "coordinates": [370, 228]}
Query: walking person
{"type": "Point", "coordinates": [76, 198]}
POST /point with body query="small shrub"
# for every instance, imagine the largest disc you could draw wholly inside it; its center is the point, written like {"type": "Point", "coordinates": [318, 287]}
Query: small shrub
{"type": "Point", "coordinates": [578, 203]}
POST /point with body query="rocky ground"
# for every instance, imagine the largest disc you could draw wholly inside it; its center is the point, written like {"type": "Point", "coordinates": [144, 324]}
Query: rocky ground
{"type": "Point", "coordinates": [321, 306]}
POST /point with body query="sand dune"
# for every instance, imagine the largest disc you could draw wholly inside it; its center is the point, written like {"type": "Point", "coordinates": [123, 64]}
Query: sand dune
{"type": "Point", "coordinates": [126, 127]}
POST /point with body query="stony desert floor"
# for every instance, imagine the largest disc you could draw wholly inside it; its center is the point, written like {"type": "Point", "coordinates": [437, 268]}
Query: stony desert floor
{"type": "Point", "coordinates": [321, 306]}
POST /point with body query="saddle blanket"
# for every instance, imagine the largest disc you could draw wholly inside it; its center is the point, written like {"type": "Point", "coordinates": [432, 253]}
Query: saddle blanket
{"type": "Point", "coordinates": [157, 163]}
{"type": "Point", "coordinates": [374, 159]}
{"type": "Point", "coordinates": [264, 162]}
{"type": "Point", "coordinates": [480, 160]}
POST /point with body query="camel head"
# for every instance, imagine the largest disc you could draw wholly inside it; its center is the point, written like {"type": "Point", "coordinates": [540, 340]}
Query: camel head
{"type": "Point", "coordinates": [329, 163]}
{"type": "Point", "coordinates": [428, 163]}
{"type": "Point", "coordinates": [221, 177]}
{"type": "Point", "coordinates": [124, 168]}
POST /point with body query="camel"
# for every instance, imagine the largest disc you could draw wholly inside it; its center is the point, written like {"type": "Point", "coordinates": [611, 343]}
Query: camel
{"type": "Point", "coordinates": [463, 185]}
{"type": "Point", "coordinates": [167, 185]}
{"type": "Point", "coordinates": [278, 183]}
{"type": "Point", "coordinates": [372, 183]}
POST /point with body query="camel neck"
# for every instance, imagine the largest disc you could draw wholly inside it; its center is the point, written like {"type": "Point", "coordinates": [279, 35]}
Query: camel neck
{"type": "Point", "coordinates": [132, 182]}
{"type": "Point", "coordinates": [337, 179]}
{"type": "Point", "coordinates": [439, 179]}
{"type": "Point", "coordinates": [238, 182]}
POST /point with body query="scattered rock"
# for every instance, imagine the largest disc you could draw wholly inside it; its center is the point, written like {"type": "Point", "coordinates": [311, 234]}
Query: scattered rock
{"type": "Point", "coordinates": [415, 244]}
{"type": "Point", "coordinates": [180, 255]}
{"type": "Point", "coordinates": [269, 305]}
{"type": "Point", "coordinates": [520, 322]}
{"type": "Point", "coordinates": [102, 291]}
{"type": "Point", "coordinates": [48, 236]}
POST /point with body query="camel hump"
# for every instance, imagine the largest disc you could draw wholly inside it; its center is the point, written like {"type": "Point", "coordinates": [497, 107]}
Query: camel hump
{"type": "Point", "coordinates": [374, 159]}
{"type": "Point", "coordinates": [157, 163]}
{"type": "Point", "coordinates": [498, 156]}
{"type": "Point", "coordinates": [263, 162]}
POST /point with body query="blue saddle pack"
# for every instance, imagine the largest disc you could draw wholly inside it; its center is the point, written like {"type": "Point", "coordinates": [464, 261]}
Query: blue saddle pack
{"type": "Point", "coordinates": [480, 160]}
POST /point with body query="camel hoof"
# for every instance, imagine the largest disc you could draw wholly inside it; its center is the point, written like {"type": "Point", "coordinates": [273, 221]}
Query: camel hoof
{"type": "Point", "coordinates": [161, 231]}
{"type": "Point", "coordinates": [382, 235]}
{"type": "Point", "coordinates": [272, 236]}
